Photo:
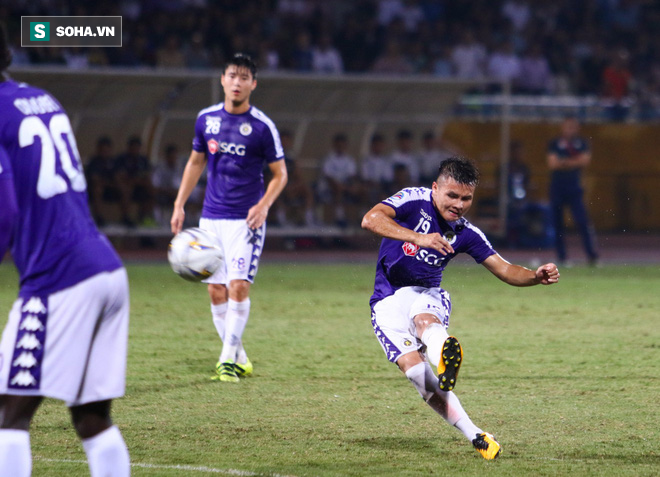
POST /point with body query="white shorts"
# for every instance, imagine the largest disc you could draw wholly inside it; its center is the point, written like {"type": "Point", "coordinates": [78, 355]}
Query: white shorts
{"type": "Point", "coordinates": [241, 246]}
{"type": "Point", "coordinates": [70, 345]}
{"type": "Point", "coordinates": [392, 318]}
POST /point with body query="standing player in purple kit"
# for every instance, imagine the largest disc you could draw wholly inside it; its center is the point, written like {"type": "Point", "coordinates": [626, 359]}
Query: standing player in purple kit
{"type": "Point", "coordinates": [67, 332]}
{"type": "Point", "coordinates": [236, 139]}
{"type": "Point", "coordinates": [422, 230]}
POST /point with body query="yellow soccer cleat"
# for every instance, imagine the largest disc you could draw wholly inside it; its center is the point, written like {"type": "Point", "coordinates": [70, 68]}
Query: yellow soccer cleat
{"type": "Point", "coordinates": [487, 446]}
{"type": "Point", "coordinates": [226, 372]}
{"type": "Point", "coordinates": [245, 369]}
{"type": "Point", "coordinates": [450, 362]}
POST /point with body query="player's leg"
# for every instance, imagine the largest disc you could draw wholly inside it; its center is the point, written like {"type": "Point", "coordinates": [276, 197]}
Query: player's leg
{"type": "Point", "coordinates": [219, 292]}
{"type": "Point", "coordinates": [393, 320]}
{"type": "Point", "coordinates": [557, 210]}
{"type": "Point", "coordinates": [238, 312]}
{"type": "Point", "coordinates": [443, 351]}
{"type": "Point", "coordinates": [242, 247]}
{"type": "Point", "coordinates": [430, 315]}
{"type": "Point", "coordinates": [584, 225]}
{"type": "Point", "coordinates": [100, 322]}
{"type": "Point", "coordinates": [107, 454]}
{"type": "Point", "coordinates": [419, 373]}
{"type": "Point", "coordinates": [16, 413]}
{"type": "Point", "coordinates": [218, 295]}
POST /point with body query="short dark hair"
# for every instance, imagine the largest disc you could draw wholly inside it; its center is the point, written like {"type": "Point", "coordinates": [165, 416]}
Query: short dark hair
{"type": "Point", "coordinates": [404, 134]}
{"type": "Point", "coordinates": [241, 60]}
{"type": "Point", "coordinates": [5, 53]}
{"type": "Point", "coordinates": [461, 169]}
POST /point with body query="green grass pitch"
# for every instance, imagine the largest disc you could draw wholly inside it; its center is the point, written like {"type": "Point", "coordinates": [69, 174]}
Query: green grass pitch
{"type": "Point", "coordinates": [567, 377]}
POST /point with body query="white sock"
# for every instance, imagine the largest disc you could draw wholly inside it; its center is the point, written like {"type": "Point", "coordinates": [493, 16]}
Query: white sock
{"type": "Point", "coordinates": [434, 338]}
{"type": "Point", "coordinates": [107, 454]}
{"type": "Point", "coordinates": [444, 403]}
{"type": "Point", "coordinates": [15, 456]}
{"type": "Point", "coordinates": [219, 312]}
{"type": "Point", "coordinates": [238, 313]}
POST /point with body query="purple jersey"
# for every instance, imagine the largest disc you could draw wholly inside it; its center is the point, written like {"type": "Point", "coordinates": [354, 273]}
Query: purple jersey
{"type": "Point", "coordinates": [55, 243]}
{"type": "Point", "coordinates": [406, 264]}
{"type": "Point", "coordinates": [237, 147]}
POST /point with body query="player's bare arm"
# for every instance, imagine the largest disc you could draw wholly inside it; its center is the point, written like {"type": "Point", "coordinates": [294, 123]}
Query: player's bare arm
{"type": "Point", "coordinates": [380, 220]}
{"type": "Point", "coordinates": [191, 174]}
{"type": "Point", "coordinates": [258, 212]}
{"type": "Point", "coordinates": [519, 276]}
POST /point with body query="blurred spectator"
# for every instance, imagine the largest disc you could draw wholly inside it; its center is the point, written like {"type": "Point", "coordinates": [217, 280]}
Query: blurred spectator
{"type": "Point", "coordinates": [442, 63]}
{"type": "Point", "coordinates": [504, 64]}
{"type": "Point", "coordinates": [76, 58]}
{"type": "Point", "coordinates": [469, 57]}
{"type": "Point", "coordinates": [518, 173]}
{"type": "Point", "coordinates": [196, 55]}
{"type": "Point", "coordinates": [302, 58]}
{"type": "Point", "coordinates": [102, 187]}
{"type": "Point", "coordinates": [296, 203]}
{"type": "Point", "coordinates": [411, 14]}
{"type": "Point", "coordinates": [376, 171]}
{"type": "Point", "coordinates": [517, 12]}
{"type": "Point", "coordinates": [268, 58]}
{"type": "Point", "coordinates": [400, 177]}
{"type": "Point", "coordinates": [392, 60]}
{"type": "Point", "coordinates": [535, 75]}
{"type": "Point", "coordinates": [166, 179]}
{"type": "Point", "coordinates": [388, 10]}
{"type": "Point", "coordinates": [170, 54]}
{"type": "Point", "coordinates": [590, 72]}
{"type": "Point", "coordinates": [434, 150]}
{"type": "Point", "coordinates": [325, 57]}
{"type": "Point", "coordinates": [133, 174]}
{"type": "Point", "coordinates": [404, 155]}
{"type": "Point", "coordinates": [338, 185]}
{"type": "Point", "coordinates": [617, 82]}
{"type": "Point", "coordinates": [568, 155]}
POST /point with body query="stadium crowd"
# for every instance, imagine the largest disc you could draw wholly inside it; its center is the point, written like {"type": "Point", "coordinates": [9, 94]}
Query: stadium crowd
{"type": "Point", "coordinates": [603, 48]}
{"type": "Point", "coordinates": [594, 47]}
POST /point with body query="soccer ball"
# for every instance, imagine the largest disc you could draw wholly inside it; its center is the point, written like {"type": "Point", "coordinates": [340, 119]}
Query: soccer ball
{"type": "Point", "coordinates": [194, 254]}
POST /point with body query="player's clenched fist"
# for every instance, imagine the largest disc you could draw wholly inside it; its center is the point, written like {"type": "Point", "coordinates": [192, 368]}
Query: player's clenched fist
{"type": "Point", "coordinates": [547, 274]}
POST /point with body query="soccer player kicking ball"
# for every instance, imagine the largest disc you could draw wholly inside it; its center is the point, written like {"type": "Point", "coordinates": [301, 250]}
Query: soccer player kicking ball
{"type": "Point", "coordinates": [237, 140]}
{"type": "Point", "coordinates": [422, 230]}
{"type": "Point", "coordinates": [67, 333]}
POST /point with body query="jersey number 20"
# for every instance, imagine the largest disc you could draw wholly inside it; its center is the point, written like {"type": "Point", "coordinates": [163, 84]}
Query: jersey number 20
{"type": "Point", "coordinates": [54, 138]}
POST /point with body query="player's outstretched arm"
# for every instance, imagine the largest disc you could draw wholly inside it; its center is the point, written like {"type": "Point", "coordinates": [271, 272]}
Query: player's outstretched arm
{"type": "Point", "coordinates": [380, 220]}
{"type": "Point", "coordinates": [191, 174]}
{"type": "Point", "coordinates": [520, 276]}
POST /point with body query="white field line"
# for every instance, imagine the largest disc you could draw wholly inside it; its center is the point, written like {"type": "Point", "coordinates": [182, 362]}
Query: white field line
{"type": "Point", "coordinates": [186, 468]}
